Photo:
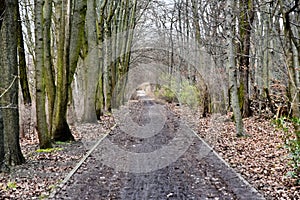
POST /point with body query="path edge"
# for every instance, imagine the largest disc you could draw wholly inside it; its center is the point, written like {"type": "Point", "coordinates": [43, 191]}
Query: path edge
{"type": "Point", "coordinates": [230, 169]}
{"type": "Point", "coordinates": [77, 166]}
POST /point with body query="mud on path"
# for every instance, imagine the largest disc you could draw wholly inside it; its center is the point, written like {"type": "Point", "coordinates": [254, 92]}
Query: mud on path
{"type": "Point", "coordinates": [130, 166]}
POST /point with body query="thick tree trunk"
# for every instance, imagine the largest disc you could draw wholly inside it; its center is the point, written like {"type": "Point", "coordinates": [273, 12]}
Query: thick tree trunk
{"type": "Point", "coordinates": [9, 81]}
{"type": "Point", "coordinates": [42, 128]}
{"type": "Point", "coordinates": [61, 129]}
{"type": "Point", "coordinates": [2, 153]}
{"type": "Point", "coordinates": [92, 63]}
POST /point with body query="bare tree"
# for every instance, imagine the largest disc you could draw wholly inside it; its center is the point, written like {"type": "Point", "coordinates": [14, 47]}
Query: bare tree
{"type": "Point", "coordinates": [245, 20]}
{"type": "Point", "coordinates": [22, 63]}
{"type": "Point", "coordinates": [233, 71]}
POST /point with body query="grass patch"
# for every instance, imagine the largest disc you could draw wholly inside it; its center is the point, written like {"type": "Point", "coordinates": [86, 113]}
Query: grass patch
{"type": "Point", "coordinates": [62, 143]}
{"type": "Point", "coordinates": [49, 150]}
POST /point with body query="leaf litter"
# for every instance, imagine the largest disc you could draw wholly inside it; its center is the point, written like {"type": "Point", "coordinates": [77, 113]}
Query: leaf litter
{"type": "Point", "coordinates": [261, 158]}
{"type": "Point", "coordinates": [44, 169]}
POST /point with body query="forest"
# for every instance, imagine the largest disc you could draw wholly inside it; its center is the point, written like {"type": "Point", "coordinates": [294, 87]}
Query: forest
{"type": "Point", "coordinates": [66, 63]}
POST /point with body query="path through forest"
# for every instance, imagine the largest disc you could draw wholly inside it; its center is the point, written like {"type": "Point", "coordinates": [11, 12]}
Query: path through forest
{"type": "Point", "coordinates": [156, 157]}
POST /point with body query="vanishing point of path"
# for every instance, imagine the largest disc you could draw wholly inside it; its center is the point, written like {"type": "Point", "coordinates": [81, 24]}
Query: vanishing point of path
{"type": "Point", "coordinates": [149, 155]}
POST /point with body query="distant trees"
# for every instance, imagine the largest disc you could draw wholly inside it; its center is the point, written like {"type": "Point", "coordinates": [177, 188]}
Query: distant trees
{"type": "Point", "coordinates": [82, 54]}
{"type": "Point", "coordinates": [262, 31]}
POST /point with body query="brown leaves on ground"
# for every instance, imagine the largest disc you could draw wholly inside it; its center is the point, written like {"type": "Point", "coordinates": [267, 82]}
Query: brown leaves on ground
{"type": "Point", "coordinates": [44, 170]}
{"type": "Point", "coordinates": [260, 158]}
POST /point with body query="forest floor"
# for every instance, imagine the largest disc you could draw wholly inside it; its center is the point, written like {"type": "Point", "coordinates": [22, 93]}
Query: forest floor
{"type": "Point", "coordinates": [261, 158]}
{"type": "Point", "coordinates": [151, 161]}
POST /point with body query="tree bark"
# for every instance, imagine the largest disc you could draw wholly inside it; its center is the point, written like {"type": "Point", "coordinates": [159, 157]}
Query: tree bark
{"type": "Point", "coordinates": [2, 11]}
{"type": "Point", "coordinates": [61, 129]}
{"type": "Point", "coordinates": [205, 96]}
{"type": "Point", "coordinates": [49, 72]}
{"type": "Point", "coordinates": [245, 23]}
{"type": "Point", "coordinates": [77, 34]}
{"type": "Point", "coordinates": [92, 64]}
{"type": "Point", "coordinates": [100, 91]}
{"type": "Point", "coordinates": [22, 63]}
{"type": "Point", "coordinates": [9, 80]}
{"type": "Point", "coordinates": [2, 153]}
{"type": "Point", "coordinates": [292, 53]}
{"type": "Point", "coordinates": [233, 72]}
{"type": "Point", "coordinates": [42, 129]}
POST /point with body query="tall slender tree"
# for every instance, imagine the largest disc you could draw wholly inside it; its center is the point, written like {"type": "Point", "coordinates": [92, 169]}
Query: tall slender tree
{"type": "Point", "coordinates": [246, 17]}
{"type": "Point", "coordinates": [22, 63]}
{"type": "Point", "coordinates": [233, 71]}
{"type": "Point", "coordinates": [49, 72]}
{"type": "Point", "coordinates": [42, 127]}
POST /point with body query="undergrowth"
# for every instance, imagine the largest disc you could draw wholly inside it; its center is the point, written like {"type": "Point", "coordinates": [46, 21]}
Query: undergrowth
{"type": "Point", "coordinates": [292, 144]}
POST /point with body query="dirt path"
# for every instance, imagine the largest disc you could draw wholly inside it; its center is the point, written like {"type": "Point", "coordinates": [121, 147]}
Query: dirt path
{"type": "Point", "coordinates": [153, 155]}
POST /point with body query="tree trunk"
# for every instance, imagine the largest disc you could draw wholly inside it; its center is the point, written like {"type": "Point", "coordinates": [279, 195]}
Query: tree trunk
{"type": "Point", "coordinates": [2, 9]}
{"type": "Point", "coordinates": [61, 129]}
{"type": "Point", "coordinates": [2, 153]}
{"type": "Point", "coordinates": [22, 63]}
{"type": "Point", "coordinates": [42, 129]}
{"type": "Point", "coordinates": [245, 23]}
{"type": "Point", "coordinates": [92, 64]}
{"type": "Point", "coordinates": [77, 35]}
{"type": "Point", "coordinates": [204, 88]}
{"type": "Point", "coordinates": [292, 54]}
{"type": "Point", "coordinates": [233, 73]}
{"type": "Point", "coordinates": [100, 92]}
{"type": "Point", "coordinates": [127, 26]}
{"type": "Point", "coordinates": [110, 61]}
{"type": "Point", "coordinates": [9, 80]}
{"type": "Point", "coordinates": [49, 73]}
